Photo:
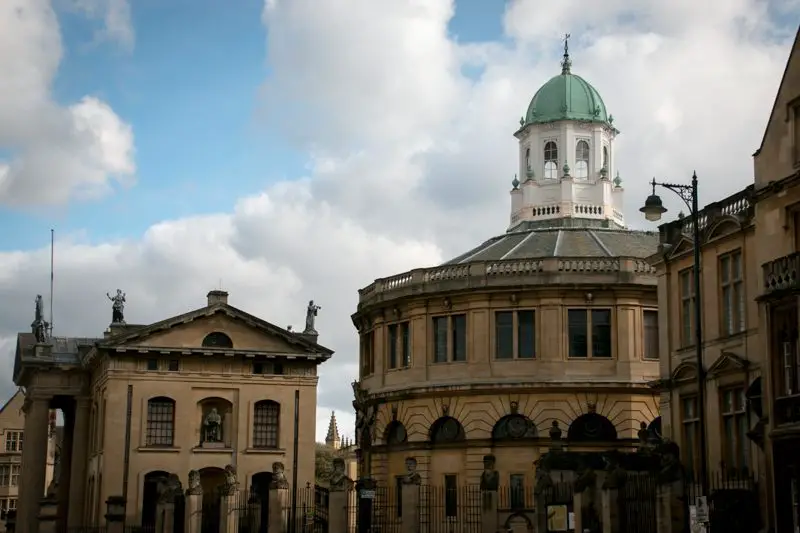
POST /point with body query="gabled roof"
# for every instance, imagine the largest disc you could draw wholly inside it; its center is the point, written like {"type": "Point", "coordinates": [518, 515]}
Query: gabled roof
{"type": "Point", "coordinates": [795, 46]}
{"type": "Point", "coordinates": [11, 400]}
{"type": "Point", "coordinates": [297, 339]}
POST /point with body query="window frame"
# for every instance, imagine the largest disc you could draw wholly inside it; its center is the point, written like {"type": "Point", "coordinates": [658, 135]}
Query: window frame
{"type": "Point", "coordinates": [687, 296]}
{"type": "Point", "coordinates": [516, 494]}
{"type": "Point", "coordinates": [14, 440]}
{"type": "Point", "coordinates": [735, 446]}
{"type": "Point", "coordinates": [732, 293]}
{"type": "Point", "coordinates": [515, 328]}
{"type": "Point", "coordinates": [590, 333]}
{"type": "Point", "coordinates": [650, 330]}
{"type": "Point", "coordinates": [450, 487]}
{"type": "Point", "coordinates": [550, 166]}
{"type": "Point", "coordinates": [266, 433]}
{"type": "Point", "coordinates": [582, 172]}
{"type": "Point", "coordinates": [367, 352]}
{"type": "Point", "coordinates": [398, 345]}
{"type": "Point", "coordinates": [690, 446]}
{"type": "Point", "coordinates": [453, 336]}
{"type": "Point", "coordinates": [160, 441]}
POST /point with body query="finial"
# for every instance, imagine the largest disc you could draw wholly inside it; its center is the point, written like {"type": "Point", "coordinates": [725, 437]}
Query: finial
{"type": "Point", "coordinates": [566, 63]}
{"type": "Point", "coordinates": [521, 121]}
{"type": "Point", "coordinates": [618, 180]}
{"type": "Point", "coordinates": [515, 182]}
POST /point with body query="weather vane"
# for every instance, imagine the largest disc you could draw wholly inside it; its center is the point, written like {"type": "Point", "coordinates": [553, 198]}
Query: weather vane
{"type": "Point", "coordinates": [566, 43]}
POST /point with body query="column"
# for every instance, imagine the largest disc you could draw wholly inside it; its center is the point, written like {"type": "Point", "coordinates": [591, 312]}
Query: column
{"type": "Point", "coordinates": [34, 462]}
{"type": "Point", "coordinates": [115, 514]}
{"type": "Point", "coordinates": [194, 510]}
{"type": "Point", "coordinates": [339, 508]}
{"type": "Point", "coordinates": [79, 458]}
{"type": "Point", "coordinates": [278, 509]}
{"type": "Point", "coordinates": [61, 483]}
{"type": "Point", "coordinates": [409, 494]}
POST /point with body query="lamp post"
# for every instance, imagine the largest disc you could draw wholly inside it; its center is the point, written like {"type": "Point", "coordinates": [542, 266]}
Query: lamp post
{"type": "Point", "coordinates": [653, 209]}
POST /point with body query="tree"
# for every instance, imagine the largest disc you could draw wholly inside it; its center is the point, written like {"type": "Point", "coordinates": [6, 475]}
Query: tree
{"type": "Point", "coordinates": [324, 462]}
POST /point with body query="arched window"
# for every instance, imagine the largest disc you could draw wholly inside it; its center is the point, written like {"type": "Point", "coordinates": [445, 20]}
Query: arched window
{"type": "Point", "coordinates": [605, 158]}
{"type": "Point", "coordinates": [582, 160]}
{"type": "Point", "coordinates": [591, 427]}
{"type": "Point", "coordinates": [514, 426]}
{"type": "Point", "coordinates": [395, 433]}
{"type": "Point", "coordinates": [527, 159]}
{"type": "Point", "coordinates": [217, 340]}
{"type": "Point", "coordinates": [266, 424]}
{"type": "Point", "coordinates": [446, 429]}
{"type": "Point", "coordinates": [160, 421]}
{"type": "Point", "coordinates": [550, 160]}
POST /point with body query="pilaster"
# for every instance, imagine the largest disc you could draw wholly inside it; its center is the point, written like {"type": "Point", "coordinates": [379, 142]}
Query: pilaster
{"type": "Point", "coordinates": [78, 470]}
{"type": "Point", "coordinates": [34, 461]}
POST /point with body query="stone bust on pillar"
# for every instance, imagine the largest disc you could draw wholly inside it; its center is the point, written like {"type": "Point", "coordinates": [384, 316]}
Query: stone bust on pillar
{"type": "Point", "coordinates": [412, 477]}
{"type": "Point", "coordinates": [279, 480]}
{"type": "Point", "coordinates": [490, 478]}
{"type": "Point", "coordinates": [194, 487]}
{"type": "Point", "coordinates": [339, 480]}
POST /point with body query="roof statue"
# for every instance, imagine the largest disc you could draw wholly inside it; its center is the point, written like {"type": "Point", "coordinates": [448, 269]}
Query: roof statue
{"type": "Point", "coordinates": [39, 326]}
{"type": "Point", "coordinates": [117, 307]}
{"type": "Point", "coordinates": [311, 317]}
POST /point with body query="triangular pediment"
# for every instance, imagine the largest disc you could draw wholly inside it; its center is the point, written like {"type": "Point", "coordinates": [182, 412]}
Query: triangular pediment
{"type": "Point", "coordinates": [191, 331]}
{"type": "Point", "coordinates": [684, 372]}
{"type": "Point", "coordinates": [727, 363]}
{"type": "Point", "coordinates": [684, 246]}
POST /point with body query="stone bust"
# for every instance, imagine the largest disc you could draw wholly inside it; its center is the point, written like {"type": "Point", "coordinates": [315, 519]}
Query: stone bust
{"type": "Point", "coordinates": [194, 487]}
{"type": "Point", "coordinates": [231, 482]}
{"type": "Point", "coordinates": [339, 480]}
{"type": "Point", "coordinates": [412, 477]}
{"type": "Point", "coordinates": [490, 478]}
{"type": "Point", "coordinates": [279, 480]}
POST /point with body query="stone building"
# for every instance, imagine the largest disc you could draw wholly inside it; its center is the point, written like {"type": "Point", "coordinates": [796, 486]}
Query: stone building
{"type": "Point", "coordinates": [345, 448]}
{"type": "Point", "coordinates": [777, 250]}
{"type": "Point", "coordinates": [207, 390]}
{"type": "Point", "coordinates": [12, 426]}
{"type": "Point", "coordinates": [548, 328]}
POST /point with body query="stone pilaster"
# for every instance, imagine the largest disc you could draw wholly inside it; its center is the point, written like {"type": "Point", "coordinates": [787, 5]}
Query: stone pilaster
{"type": "Point", "coordinates": [228, 514]}
{"type": "Point", "coordinates": [339, 508]}
{"type": "Point", "coordinates": [278, 510]}
{"type": "Point", "coordinates": [489, 518]}
{"type": "Point", "coordinates": [34, 462]}
{"type": "Point", "coordinates": [48, 516]}
{"type": "Point", "coordinates": [194, 512]}
{"type": "Point", "coordinates": [115, 514]}
{"type": "Point", "coordinates": [409, 496]}
{"type": "Point", "coordinates": [78, 469]}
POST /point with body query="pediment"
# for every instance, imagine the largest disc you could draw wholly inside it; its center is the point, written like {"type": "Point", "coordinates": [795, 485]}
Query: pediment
{"type": "Point", "coordinates": [684, 246]}
{"type": "Point", "coordinates": [725, 225]}
{"type": "Point", "coordinates": [727, 363]}
{"type": "Point", "coordinates": [246, 333]}
{"type": "Point", "coordinates": [684, 372]}
{"type": "Point", "coordinates": [11, 413]}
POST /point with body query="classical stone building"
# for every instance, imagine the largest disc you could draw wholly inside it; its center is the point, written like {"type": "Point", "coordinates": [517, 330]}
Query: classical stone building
{"type": "Point", "coordinates": [777, 250]}
{"type": "Point", "coordinates": [206, 390]}
{"type": "Point", "coordinates": [12, 426]}
{"type": "Point", "coordinates": [549, 328]}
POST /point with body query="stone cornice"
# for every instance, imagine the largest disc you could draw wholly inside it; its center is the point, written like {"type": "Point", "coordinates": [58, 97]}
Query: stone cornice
{"type": "Point", "coordinates": [774, 187]}
{"type": "Point", "coordinates": [543, 443]}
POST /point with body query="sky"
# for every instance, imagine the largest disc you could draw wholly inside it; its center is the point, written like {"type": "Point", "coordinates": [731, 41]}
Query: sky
{"type": "Point", "coordinates": [288, 150]}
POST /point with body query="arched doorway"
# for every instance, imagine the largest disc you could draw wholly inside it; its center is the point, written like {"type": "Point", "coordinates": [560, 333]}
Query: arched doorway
{"type": "Point", "coordinates": [259, 490]}
{"type": "Point", "coordinates": [212, 479]}
{"type": "Point", "coordinates": [150, 496]}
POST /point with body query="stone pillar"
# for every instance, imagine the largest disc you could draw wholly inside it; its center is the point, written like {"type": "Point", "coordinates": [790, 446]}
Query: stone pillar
{"type": "Point", "coordinates": [78, 463]}
{"type": "Point", "coordinates": [115, 514]}
{"type": "Point", "coordinates": [165, 516]}
{"type": "Point", "coordinates": [48, 515]}
{"type": "Point", "coordinates": [339, 507]}
{"type": "Point", "coordinates": [278, 508]}
{"type": "Point", "coordinates": [610, 510]}
{"type": "Point", "coordinates": [194, 504]}
{"type": "Point", "coordinates": [489, 518]}
{"type": "Point", "coordinates": [61, 474]}
{"type": "Point", "coordinates": [34, 462]}
{"type": "Point", "coordinates": [578, 501]}
{"type": "Point", "coordinates": [409, 496]}
{"type": "Point", "coordinates": [670, 508]}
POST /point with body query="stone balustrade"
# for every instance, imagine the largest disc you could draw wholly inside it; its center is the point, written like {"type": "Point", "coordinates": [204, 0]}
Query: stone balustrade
{"type": "Point", "coordinates": [509, 273]}
{"type": "Point", "coordinates": [782, 273]}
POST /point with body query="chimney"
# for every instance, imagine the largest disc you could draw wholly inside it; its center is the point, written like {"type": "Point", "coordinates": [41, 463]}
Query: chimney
{"type": "Point", "coordinates": [217, 297]}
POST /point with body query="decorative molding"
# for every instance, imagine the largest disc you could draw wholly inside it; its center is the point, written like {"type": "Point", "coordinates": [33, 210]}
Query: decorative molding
{"type": "Point", "coordinates": [727, 363]}
{"type": "Point", "coordinates": [684, 372]}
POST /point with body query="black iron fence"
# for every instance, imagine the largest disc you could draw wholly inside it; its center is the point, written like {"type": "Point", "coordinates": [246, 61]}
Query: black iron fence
{"type": "Point", "coordinates": [450, 509]}
{"type": "Point", "coordinates": [733, 501]}
{"type": "Point", "coordinates": [637, 502]}
{"type": "Point", "coordinates": [516, 498]}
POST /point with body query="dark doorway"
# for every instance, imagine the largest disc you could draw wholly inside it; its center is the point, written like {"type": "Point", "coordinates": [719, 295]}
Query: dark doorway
{"type": "Point", "coordinates": [150, 497]}
{"type": "Point", "coordinates": [260, 491]}
{"type": "Point", "coordinates": [211, 480]}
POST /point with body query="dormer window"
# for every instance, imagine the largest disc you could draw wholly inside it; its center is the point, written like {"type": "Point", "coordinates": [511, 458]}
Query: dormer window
{"type": "Point", "coordinates": [582, 160]}
{"type": "Point", "coordinates": [550, 160]}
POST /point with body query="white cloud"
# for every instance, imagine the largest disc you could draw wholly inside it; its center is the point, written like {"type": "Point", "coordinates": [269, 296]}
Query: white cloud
{"type": "Point", "coordinates": [411, 160]}
{"type": "Point", "coordinates": [116, 17]}
{"type": "Point", "coordinates": [56, 153]}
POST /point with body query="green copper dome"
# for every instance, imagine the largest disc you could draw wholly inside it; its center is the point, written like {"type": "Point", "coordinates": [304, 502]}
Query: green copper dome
{"type": "Point", "coordinates": [566, 97]}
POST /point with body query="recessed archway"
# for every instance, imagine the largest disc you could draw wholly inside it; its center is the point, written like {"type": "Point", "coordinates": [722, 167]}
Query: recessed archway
{"type": "Point", "coordinates": [591, 427]}
{"type": "Point", "coordinates": [150, 496]}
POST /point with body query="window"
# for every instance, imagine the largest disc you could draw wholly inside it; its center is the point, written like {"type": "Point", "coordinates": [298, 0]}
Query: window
{"type": "Point", "coordinates": [650, 334]}
{"type": "Point", "coordinates": [9, 475]}
{"type": "Point", "coordinates": [734, 422]}
{"type": "Point", "coordinates": [399, 348]}
{"type": "Point", "coordinates": [527, 159]}
{"type": "Point", "coordinates": [589, 332]}
{"type": "Point", "coordinates": [174, 365]}
{"type": "Point", "coordinates": [152, 364]}
{"type": "Point", "coordinates": [691, 433]}
{"type": "Point", "coordinates": [266, 422]}
{"type": "Point", "coordinates": [550, 161]}
{"type": "Point", "coordinates": [398, 491]}
{"type": "Point", "coordinates": [217, 340]}
{"type": "Point", "coordinates": [517, 486]}
{"type": "Point", "coordinates": [160, 422]}
{"type": "Point", "coordinates": [450, 338]}
{"type": "Point", "coordinates": [367, 353]}
{"type": "Point", "coordinates": [515, 336]}
{"type": "Point", "coordinates": [796, 228]}
{"type": "Point", "coordinates": [277, 369]}
{"type": "Point", "coordinates": [13, 441]}
{"type": "Point", "coordinates": [582, 160]}
{"type": "Point", "coordinates": [450, 495]}
{"type": "Point", "coordinates": [784, 334]}
{"type": "Point", "coordinates": [686, 280]}
{"type": "Point", "coordinates": [258, 367]}
{"type": "Point", "coordinates": [605, 158]}
{"type": "Point", "coordinates": [733, 306]}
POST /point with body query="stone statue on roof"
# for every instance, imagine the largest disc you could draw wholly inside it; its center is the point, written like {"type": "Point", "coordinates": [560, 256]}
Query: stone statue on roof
{"type": "Point", "coordinates": [117, 307]}
{"type": "Point", "coordinates": [311, 316]}
{"type": "Point", "coordinates": [39, 325]}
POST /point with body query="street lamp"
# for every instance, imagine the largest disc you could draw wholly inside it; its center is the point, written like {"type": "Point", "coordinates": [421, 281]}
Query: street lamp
{"type": "Point", "coordinates": [653, 209]}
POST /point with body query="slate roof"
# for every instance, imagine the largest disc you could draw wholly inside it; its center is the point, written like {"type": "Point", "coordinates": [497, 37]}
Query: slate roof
{"type": "Point", "coordinates": [543, 242]}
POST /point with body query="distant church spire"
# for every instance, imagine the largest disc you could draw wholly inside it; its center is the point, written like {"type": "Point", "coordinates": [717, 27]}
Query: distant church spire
{"type": "Point", "coordinates": [332, 439]}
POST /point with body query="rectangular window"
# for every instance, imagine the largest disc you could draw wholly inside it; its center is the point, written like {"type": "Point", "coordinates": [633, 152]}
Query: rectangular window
{"type": "Point", "coordinates": [367, 353]}
{"type": "Point", "coordinates": [5, 475]}
{"type": "Point", "coordinates": [450, 338]}
{"type": "Point", "coordinates": [733, 299]}
{"type": "Point", "coordinates": [526, 334]}
{"type": "Point", "coordinates": [450, 495]}
{"type": "Point", "coordinates": [392, 330]}
{"type": "Point", "coordinates": [152, 364]}
{"type": "Point", "coordinates": [15, 475]}
{"type": "Point", "coordinates": [266, 424]}
{"type": "Point", "coordinates": [405, 337]}
{"type": "Point", "coordinates": [734, 422]}
{"type": "Point", "coordinates": [13, 441]}
{"type": "Point", "coordinates": [691, 433]}
{"type": "Point", "coordinates": [686, 280]}
{"type": "Point", "coordinates": [258, 367]}
{"type": "Point", "coordinates": [160, 422]}
{"type": "Point", "coordinates": [650, 335]}
{"type": "Point", "coordinates": [517, 487]}
{"type": "Point", "coordinates": [174, 365]}
{"type": "Point", "coordinates": [504, 334]}
{"type": "Point", "coordinates": [589, 332]}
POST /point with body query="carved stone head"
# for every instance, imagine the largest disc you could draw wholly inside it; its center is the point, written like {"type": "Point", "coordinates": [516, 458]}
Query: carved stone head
{"type": "Point", "coordinates": [277, 468]}
{"type": "Point", "coordinates": [411, 464]}
{"type": "Point", "coordinates": [489, 462]}
{"type": "Point", "coordinates": [338, 466]}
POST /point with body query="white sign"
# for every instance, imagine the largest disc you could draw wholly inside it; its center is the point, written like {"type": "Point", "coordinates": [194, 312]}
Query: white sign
{"type": "Point", "coordinates": [368, 494]}
{"type": "Point", "coordinates": [702, 509]}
